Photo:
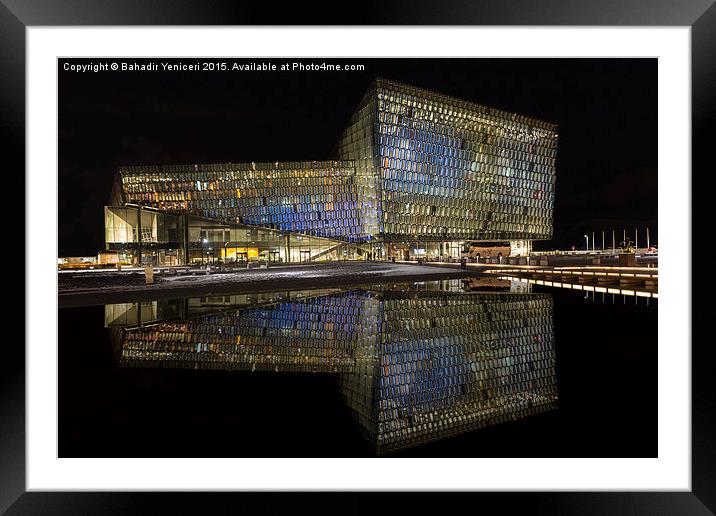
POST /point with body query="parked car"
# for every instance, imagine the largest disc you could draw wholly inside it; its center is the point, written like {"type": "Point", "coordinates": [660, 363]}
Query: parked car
{"type": "Point", "coordinates": [257, 264]}
{"type": "Point", "coordinates": [486, 250]}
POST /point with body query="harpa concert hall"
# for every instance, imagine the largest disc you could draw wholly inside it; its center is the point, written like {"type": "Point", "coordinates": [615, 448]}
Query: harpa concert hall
{"type": "Point", "coordinates": [415, 174]}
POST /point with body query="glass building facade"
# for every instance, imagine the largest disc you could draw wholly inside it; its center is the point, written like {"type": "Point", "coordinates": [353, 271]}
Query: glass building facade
{"type": "Point", "coordinates": [415, 172]}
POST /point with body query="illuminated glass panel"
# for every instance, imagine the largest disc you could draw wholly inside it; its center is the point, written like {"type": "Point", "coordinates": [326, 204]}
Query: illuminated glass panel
{"type": "Point", "coordinates": [449, 169]}
{"type": "Point", "coordinates": [313, 198]}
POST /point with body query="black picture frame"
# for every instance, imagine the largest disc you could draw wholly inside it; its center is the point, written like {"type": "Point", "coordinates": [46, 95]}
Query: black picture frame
{"type": "Point", "coordinates": [17, 15]}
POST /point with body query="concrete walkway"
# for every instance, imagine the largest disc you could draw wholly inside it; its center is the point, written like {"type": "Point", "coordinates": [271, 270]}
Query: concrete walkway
{"type": "Point", "coordinates": [117, 287]}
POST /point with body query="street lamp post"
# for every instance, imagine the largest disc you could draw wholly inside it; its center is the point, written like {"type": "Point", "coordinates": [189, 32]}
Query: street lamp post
{"type": "Point", "coordinates": [587, 238]}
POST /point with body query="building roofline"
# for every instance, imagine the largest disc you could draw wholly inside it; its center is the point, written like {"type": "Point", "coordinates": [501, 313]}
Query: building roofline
{"type": "Point", "coordinates": [452, 98]}
{"type": "Point", "coordinates": [251, 165]}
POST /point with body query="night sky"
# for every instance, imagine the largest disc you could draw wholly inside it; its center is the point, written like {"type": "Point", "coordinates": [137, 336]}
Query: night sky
{"type": "Point", "coordinates": [606, 110]}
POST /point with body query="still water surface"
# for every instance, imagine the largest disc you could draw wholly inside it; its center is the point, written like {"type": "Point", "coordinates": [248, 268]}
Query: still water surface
{"type": "Point", "coordinates": [477, 367]}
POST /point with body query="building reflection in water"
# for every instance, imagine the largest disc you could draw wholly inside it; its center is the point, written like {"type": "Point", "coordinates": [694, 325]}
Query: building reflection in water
{"type": "Point", "coordinates": [294, 331]}
{"type": "Point", "coordinates": [417, 362]}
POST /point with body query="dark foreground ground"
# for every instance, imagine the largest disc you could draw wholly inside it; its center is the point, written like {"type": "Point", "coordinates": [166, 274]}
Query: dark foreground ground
{"type": "Point", "coordinates": [93, 287]}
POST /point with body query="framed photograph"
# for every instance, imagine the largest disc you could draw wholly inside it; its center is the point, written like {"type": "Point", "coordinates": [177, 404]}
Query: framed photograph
{"type": "Point", "coordinates": [403, 256]}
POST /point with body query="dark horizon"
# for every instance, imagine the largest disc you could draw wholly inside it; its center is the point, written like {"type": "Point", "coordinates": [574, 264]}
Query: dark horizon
{"type": "Point", "coordinates": [606, 110]}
